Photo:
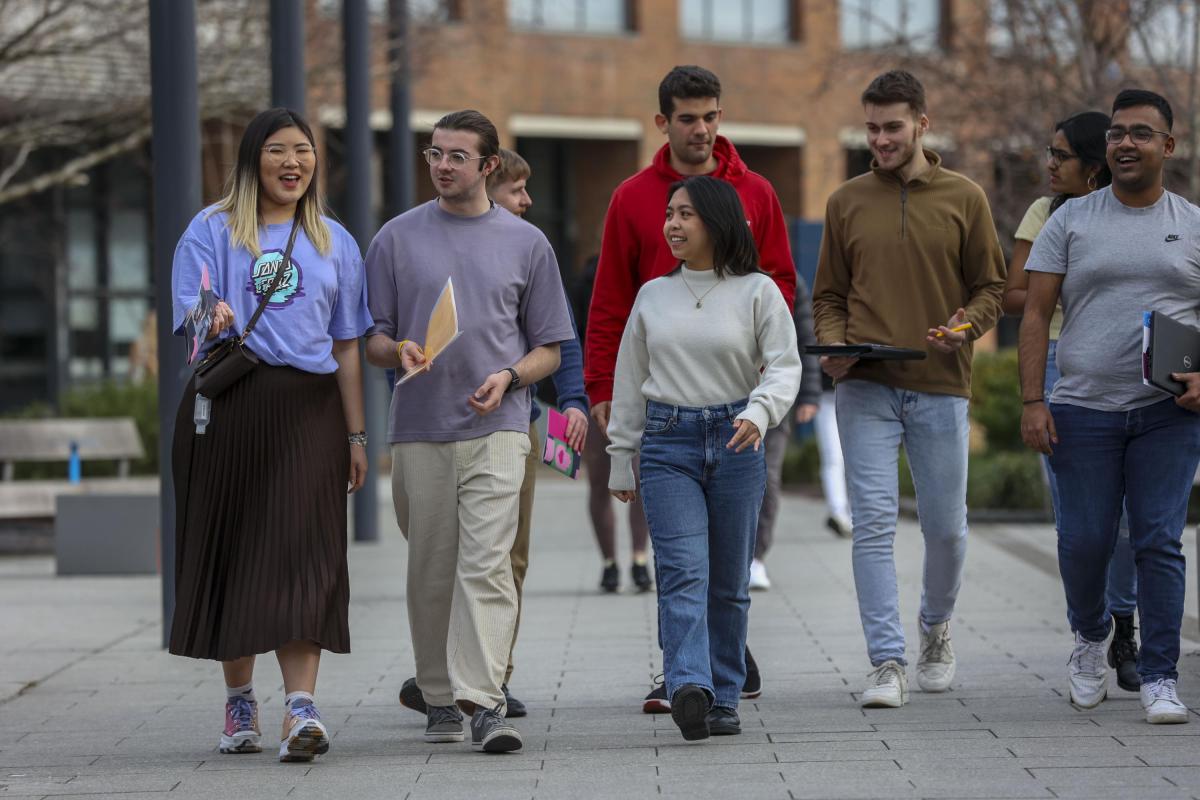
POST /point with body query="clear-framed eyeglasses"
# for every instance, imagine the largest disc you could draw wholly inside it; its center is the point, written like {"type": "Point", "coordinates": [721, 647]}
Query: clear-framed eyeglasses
{"type": "Point", "coordinates": [278, 153]}
{"type": "Point", "coordinates": [457, 158]}
{"type": "Point", "coordinates": [1138, 134]}
{"type": "Point", "coordinates": [1057, 157]}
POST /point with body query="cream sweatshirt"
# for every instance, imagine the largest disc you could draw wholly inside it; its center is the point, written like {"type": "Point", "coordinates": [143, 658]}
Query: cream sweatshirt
{"type": "Point", "coordinates": [739, 343]}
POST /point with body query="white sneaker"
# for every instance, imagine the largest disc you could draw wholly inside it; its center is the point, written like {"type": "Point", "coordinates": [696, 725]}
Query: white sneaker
{"type": "Point", "coordinates": [759, 582]}
{"type": "Point", "coordinates": [935, 667]}
{"type": "Point", "coordinates": [1087, 671]}
{"type": "Point", "coordinates": [886, 687]}
{"type": "Point", "coordinates": [1162, 703]}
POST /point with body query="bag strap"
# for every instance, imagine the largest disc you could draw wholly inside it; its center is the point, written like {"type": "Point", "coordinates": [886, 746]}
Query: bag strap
{"type": "Point", "coordinates": [276, 281]}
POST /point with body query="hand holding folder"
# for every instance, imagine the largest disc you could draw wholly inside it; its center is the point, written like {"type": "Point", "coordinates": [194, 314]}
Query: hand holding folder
{"type": "Point", "coordinates": [441, 331]}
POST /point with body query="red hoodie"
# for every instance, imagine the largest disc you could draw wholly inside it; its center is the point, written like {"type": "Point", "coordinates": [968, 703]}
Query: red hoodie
{"type": "Point", "coordinates": [634, 251]}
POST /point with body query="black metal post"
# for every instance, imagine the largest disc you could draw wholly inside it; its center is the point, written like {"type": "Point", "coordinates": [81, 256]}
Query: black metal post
{"type": "Point", "coordinates": [175, 113]}
{"type": "Point", "coordinates": [287, 54]}
{"type": "Point", "coordinates": [400, 143]}
{"type": "Point", "coordinates": [356, 37]}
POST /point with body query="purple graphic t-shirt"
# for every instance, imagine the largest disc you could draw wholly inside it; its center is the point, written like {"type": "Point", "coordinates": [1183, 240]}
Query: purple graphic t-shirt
{"type": "Point", "coordinates": [321, 298]}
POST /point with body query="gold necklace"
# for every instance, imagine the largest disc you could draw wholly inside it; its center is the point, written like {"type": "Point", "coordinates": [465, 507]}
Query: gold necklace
{"type": "Point", "coordinates": [699, 298]}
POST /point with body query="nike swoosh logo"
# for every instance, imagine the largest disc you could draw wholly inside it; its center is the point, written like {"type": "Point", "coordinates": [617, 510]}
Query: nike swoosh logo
{"type": "Point", "coordinates": [1173, 237]}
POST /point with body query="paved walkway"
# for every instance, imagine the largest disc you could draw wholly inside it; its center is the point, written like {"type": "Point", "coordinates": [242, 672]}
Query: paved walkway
{"type": "Point", "coordinates": [89, 704]}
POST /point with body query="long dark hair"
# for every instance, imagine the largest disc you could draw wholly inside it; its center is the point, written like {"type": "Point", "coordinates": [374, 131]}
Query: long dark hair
{"type": "Point", "coordinates": [720, 209]}
{"type": "Point", "coordinates": [242, 188]}
{"type": "Point", "coordinates": [1085, 134]}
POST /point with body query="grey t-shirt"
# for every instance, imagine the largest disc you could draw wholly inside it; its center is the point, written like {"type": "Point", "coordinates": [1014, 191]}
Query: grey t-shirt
{"type": "Point", "coordinates": [1117, 262]}
{"type": "Point", "coordinates": [509, 297]}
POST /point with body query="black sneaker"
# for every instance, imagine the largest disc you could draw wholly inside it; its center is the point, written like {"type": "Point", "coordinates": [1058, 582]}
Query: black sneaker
{"type": "Point", "coordinates": [411, 697]}
{"type": "Point", "coordinates": [1123, 654]}
{"type": "Point", "coordinates": [610, 578]}
{"type": "Point", "coordinates": [515, 707]}
{"type": "Point", "coordinates": [491, 734]}
{"type": "Point", "coordinates": [752, 688]}
{"type": "Point", "coordinates": [641, 577]}
{"type": "Point", "coordinates": [689, 709]}
{"type": "Point", "coordinates": [839, 528]}
{"type": "Point", "coordinates": [656, 702]}
{"type": "Point", "coordinates": [724, 722]}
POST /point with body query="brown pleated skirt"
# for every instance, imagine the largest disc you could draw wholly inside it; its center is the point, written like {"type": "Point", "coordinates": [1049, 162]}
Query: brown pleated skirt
{"type": "Point", "coordinates": [260, 526]}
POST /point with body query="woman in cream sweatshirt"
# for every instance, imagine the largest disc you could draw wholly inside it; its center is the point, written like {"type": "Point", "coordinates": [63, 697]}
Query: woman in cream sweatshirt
{"type": "Point", "coordinates": [708, 363]}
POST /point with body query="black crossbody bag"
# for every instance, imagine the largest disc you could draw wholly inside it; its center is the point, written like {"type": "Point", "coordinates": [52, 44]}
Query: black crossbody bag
{"type": "Point", "coordinates": [231, 360]}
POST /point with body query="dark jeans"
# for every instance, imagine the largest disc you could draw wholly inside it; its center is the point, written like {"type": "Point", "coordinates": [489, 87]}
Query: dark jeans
{"type": "Point", "coordinates": [701, 503]}
{"type": "Point", "coordinates": [1148, 456]}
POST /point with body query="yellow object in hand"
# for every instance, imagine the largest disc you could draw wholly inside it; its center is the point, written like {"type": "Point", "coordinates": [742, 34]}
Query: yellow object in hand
{"type": "Point", "coordinates": [956, 329]}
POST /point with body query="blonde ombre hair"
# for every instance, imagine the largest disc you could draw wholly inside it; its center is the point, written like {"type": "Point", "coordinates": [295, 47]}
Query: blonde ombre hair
{"type": "Point", "coordinates": [240, 202]}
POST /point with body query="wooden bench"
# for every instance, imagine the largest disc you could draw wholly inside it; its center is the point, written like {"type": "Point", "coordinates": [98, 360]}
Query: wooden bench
{"type": "Point", "coordinates": [44, 440]}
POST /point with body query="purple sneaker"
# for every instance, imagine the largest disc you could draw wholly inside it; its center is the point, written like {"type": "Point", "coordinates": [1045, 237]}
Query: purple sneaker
{"type": "Point", "coordinates": [241, 727]}
{"type": "Point", "coordinates": [306, 736]}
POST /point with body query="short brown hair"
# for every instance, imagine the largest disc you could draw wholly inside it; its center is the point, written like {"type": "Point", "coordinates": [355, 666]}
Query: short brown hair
{"type": "Point", "coordinates": [512, 168]}
{"type": "Point", "coordinates": [473, 121]}
{"type": "Point", "coordinates": [896, 86]}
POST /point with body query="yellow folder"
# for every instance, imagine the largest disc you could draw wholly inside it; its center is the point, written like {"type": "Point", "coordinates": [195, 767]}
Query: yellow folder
{"type": "Point", "coordinates": [441, 331]}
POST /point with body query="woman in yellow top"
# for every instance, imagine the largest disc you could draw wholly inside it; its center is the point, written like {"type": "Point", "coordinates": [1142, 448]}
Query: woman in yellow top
{"type": "Point", "coordinates": [1076, 162]}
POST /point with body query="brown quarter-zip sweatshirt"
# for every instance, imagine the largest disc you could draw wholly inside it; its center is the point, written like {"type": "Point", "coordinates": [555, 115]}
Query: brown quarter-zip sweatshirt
{"type": "Point", "coordinates": [898, 259]}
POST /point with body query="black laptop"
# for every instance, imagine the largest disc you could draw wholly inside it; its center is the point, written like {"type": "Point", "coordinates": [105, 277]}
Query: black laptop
{"type": "Point", "coordinates": [1168, 346]}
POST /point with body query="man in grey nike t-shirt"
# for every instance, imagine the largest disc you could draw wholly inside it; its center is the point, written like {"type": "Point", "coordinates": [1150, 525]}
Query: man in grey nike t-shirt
{"type": "Point", "coordinates": [1111, 256]}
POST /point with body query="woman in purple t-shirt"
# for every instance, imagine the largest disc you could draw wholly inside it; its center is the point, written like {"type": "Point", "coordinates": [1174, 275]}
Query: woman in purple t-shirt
{"type": "Point", "coordinates": [261, 476]}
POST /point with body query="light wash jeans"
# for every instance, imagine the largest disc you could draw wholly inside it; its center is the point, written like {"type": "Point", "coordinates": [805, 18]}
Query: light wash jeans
{"type": "Point", "coordinates": [1121, 591]}
{"type": "Point", "coordinates": [701, 503]}
{"type": "Point", "coordinates": [874, 420]}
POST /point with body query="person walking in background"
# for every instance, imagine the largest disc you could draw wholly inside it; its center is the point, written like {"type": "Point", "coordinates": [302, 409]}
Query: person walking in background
{"type": "Point", "coordinates": [707, 363]}
{"type": "Point", "coordinates": [776, 440]}
{"type": "Point", "coordinates": [260, 560]}
{"type": "Point", "coordinates": [909, 257]}
{"type": "Point", "coordinates": [506, 186]}
{"type": "Point", "coordinates": [460, 432]}
{"type": "Point", "coordinates": [596, 467]}
{"type": "Point", "coordinates": [633, 250]}
{"type": "Point", "coordinates": [1075, 160]}
{"type": "Point", "coordinates": [1111, 256]}
{"type": "Point", "coordinates": [833, 467]}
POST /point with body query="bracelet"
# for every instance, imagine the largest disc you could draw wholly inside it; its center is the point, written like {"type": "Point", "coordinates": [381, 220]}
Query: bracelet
{"type": "Point", "coordinates": [358, 438]}
{"type": "Point", "coordinates": [400, 348]}
{"type": "Point", "coordinates": [1031, 402]}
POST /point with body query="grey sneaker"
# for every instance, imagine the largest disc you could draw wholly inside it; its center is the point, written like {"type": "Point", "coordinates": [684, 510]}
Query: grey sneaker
{"type": "Point", "coordinates": [445, 724]}
{"type": "Point", "coordinates": [887, 687]}
{"type": "Point", "coordinates": [1087, 672]}
{"type": "Point", "coordinates": [935, 668]}
{"type": "Point", "coordinates": [491, 734]}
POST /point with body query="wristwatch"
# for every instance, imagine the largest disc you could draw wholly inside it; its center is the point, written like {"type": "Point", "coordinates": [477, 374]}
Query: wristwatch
{"type": "Point", "coordinates": [516, 379]}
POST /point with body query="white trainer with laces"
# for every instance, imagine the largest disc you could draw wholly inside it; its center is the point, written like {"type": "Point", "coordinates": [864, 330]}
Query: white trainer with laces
{"type": "Point", "coordinates": [1162, 704]}
{"type": "Point", "coordinates": [935, 667]}
{"type": "Point", "coordinates": [1087, 671]}
{"type": "Point", "coordinates": [887, 687]}
{"type": "Point", "coordinates": [759, 582]}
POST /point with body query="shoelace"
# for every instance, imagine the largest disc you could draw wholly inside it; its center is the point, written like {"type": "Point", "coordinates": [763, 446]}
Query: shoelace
{"type": "Point", "coordinates": [885, 675]}
{"type": "Point", "coordinates": [937, 647]}
{"type": "Point", "coordinates": [440, 714]}
{"type": "Point", "coordinates": [304, 711]}
{"type": "Point", "coordinates": [1089, 656]}
{"type": "Point", "coordinates": [241, 711]}
{"type": "Point", "coordinates": [1162, 689]}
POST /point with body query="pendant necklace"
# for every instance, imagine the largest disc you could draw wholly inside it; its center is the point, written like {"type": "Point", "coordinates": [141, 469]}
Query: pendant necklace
{"type": "Point", "coordinates": [699, 298]}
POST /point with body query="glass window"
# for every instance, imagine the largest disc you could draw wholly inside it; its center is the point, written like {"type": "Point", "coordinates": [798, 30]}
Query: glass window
{"type": "Point", "coordinates": [753, 21]}
{"type": "Point", "coordinates": [583, 16]}
{"type": "Point", "coordinates": [911, 24]}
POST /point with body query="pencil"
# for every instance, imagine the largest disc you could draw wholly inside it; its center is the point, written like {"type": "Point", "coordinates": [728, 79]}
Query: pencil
{"type": "Point", "coordinates": [956, 329]}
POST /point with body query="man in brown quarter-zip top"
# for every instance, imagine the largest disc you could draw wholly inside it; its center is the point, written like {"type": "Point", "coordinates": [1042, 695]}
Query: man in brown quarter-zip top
{"type": "Point", "coordinates": [909, 257]}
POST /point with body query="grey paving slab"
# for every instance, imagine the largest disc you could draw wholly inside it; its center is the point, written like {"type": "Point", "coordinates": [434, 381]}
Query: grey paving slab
{"type": "Point", "coordinates": [90, 706]}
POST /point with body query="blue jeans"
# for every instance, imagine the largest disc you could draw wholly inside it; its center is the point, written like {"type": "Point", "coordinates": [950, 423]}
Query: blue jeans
{"type": "Point", "coordinates": [701, 503]}
{"type": "Point", "coordinates": [874, 420]}
{"type": "Point", "coordinates": [1121, 593]}
{"type": "Point", "coordinates": [1148, 456]}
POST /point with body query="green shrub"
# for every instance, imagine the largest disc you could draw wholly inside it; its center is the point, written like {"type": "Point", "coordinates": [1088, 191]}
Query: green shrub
{"type": "Point", "coordinates": [996, 399]}
{"type": "Point", "coordinates": [109, 399]}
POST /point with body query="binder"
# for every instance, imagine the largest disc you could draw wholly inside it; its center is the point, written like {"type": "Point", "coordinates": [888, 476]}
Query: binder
{"type": "Point", "coordinates": [879, 352]}
{"type": "Point", "coordinates": [1168, 346]}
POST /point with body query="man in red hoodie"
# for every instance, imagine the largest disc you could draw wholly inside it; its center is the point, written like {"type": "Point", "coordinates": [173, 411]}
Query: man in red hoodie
{"type": "Point", "coordinates": [633, 250]}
